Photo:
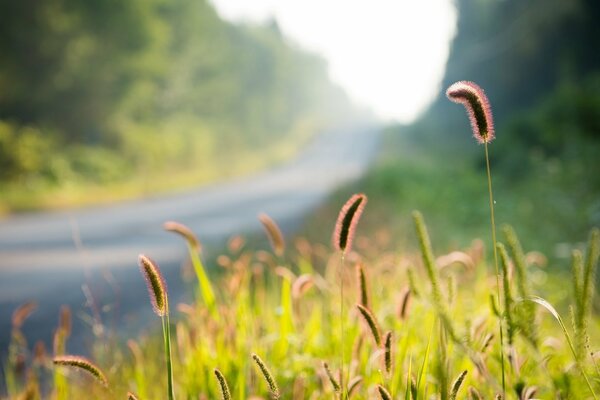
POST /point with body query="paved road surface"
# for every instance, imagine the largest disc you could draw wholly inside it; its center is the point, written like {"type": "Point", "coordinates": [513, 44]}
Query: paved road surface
{"type": "Point", "coordinates": [40, 259]}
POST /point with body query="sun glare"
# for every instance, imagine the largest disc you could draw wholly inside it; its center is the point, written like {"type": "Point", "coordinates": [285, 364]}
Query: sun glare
{"type": "Point", "coordinates": [388, 55]}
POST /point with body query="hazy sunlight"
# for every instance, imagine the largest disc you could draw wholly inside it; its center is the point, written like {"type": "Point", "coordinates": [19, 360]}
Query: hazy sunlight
{"type": "Point", "coordinates": [388, 55]}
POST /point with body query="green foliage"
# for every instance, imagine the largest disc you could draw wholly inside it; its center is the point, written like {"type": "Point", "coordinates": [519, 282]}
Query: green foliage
{"type": "Point", "coordinates": [248, 295]}
{"type": "Point", "coordinates": [107, 92]}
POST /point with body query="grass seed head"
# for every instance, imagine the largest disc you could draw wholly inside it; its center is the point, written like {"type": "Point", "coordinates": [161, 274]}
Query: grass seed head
{"type": "Point", "coordinates": [22, 313]}
{"type": "Point", "coordinates": [83, 364]}
{"type": "Point", "coordinates": [225, 393]}
{"type": "Point", "coordinates": [388, 352]}
{"type": "Point", "coordinates": [362, 285]}
{"type": "Point", "coordinates": [301, 285]}
{"type": "Point", "coordinates": [457, 384]}
{"type": "Point", "coordinates": [371, 322]}
{"type": "Point", "coordinates": [334, 382]}
{"type": "Point", "coordinates": [273, 388]}
{"type": "Point", "coordinates": [273, 233]}
{"type": "Point", "coordinates": [478, 107]}
{"type": "Point", "coordinates": [385, 395]}
{"type": "Point", "coordinates": [354, 384]}
{"type": "Point", "coordinates": [346, 222]}
{"type": "Point", "coordinates": [157, 287]}
{"type": "Point", "coordinates": [185, 232]}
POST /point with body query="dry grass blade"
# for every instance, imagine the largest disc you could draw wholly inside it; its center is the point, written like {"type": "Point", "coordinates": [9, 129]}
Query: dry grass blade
{"type": "Point", "coordinates": [157, 287]}
{"type": "Point", "coordinates": [131, 396]}
{"type": "Point", "coordinates": [346, 222]}
{"type": "Point", "coordinates": [273, 388]}
{"type": "Point", "coordinates": [371, 322]}
{"type": "Point", "coordinates": [273, 233]}
{"type": "Point", "coordinates": [82, 364]}
{"type": "Point", "coordinates": [185, 232]}
{"type": "Point", "coordinates": [225, 392]}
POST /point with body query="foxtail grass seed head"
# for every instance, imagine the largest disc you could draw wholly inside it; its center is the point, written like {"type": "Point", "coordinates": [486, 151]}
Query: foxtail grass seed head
{"type": "Point", "coordinates": [273, 233]}
{"type": "Point", "coordinates": [157, 287]}
{"type": "Point", "coordinates": [82, 364]}
{"type": "Point", "coordinates": [385, 395]}
{"type": "Point", "coordinates": [354, 384]}
{"type": "Point", "coordinates": [334, 382]}
{"type": "Point", "coordinates": [22, 313]}
{"type": "Point", "coordinates": [225, 393]}
{"type": "Point", "coordinates": [185, 232]}
{"type": "Point", "coordinates": [371, 322]}
{"type": "Point", "coordinates": [346, 222]}
{"type": "Point", "coordinates": [273, 388]}
{"type": "Point", "coordinates": [362, 285]}
{"type": "Point", "coordinates": [476, 102]}
{"type": "Point", "coordinates": [131, 396]}
{"type": "Point", "coordinates": [457, 384]}
{"type": "Point", "coordinates": [404, 305]}
{"type": "Point", "coordinates": [474, 394]}
{"type": "Point", "coordinates": [301, 285]}
{"type": "Point", "coordinates": [388, 351]}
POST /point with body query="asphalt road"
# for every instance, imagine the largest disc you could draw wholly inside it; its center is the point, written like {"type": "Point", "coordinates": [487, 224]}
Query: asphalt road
{"type": "Point", "coordinates": [48, 257]}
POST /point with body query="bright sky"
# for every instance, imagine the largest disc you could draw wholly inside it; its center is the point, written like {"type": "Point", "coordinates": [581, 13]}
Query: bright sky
{"type": "Point", "coordinates": [388, 54]}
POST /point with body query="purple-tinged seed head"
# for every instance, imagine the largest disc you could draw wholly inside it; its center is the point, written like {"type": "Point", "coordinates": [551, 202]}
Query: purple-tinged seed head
{"type": "Point", "coordinates": [346, 222]}
{"type": "Point", "coordinates": [478, 108]}
{"type": "Point", "coordinates": [157, 288]}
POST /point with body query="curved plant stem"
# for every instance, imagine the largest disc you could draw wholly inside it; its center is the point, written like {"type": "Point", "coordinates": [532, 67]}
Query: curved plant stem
{"type": "Point", "coordinates": [493, 222]}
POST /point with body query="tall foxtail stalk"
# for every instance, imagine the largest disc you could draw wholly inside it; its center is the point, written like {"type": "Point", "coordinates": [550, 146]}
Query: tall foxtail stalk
{"type": "Point", "coordinates": [479, 111]}
{"type": "Point", "coordinates": [157, 288]}
{"type": "Point", "coordinates": [343, 235]}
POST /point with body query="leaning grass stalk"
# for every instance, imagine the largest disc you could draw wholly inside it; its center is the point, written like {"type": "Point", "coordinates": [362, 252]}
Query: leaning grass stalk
{"type": "Point", "coordinates": [433, 274]}
{"type": "Point", "coordinates": [493, 225]}
{"type": "Point", "coordinates": [508, 316]}
{"type": "Point", "coordinates": [527, 317]}
{"type": "Point", "coordinates": [542, 302]}
{"type": "Point", "coordinates": [194, 250]}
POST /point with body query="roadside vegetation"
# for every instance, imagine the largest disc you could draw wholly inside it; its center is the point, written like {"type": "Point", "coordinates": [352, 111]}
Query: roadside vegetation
{"type": "Point", "coordinates": [363, 320]}
{"type": "Point", "coordinates": [105, 100]}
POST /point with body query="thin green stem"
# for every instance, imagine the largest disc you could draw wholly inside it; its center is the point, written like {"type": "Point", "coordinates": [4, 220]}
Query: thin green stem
{"type": "Point", "coordinates": [167, 338]}
{"type": "Point", "coordinates": [343, 392]}
{"type": "Point", "coordinates": [491, 195]}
